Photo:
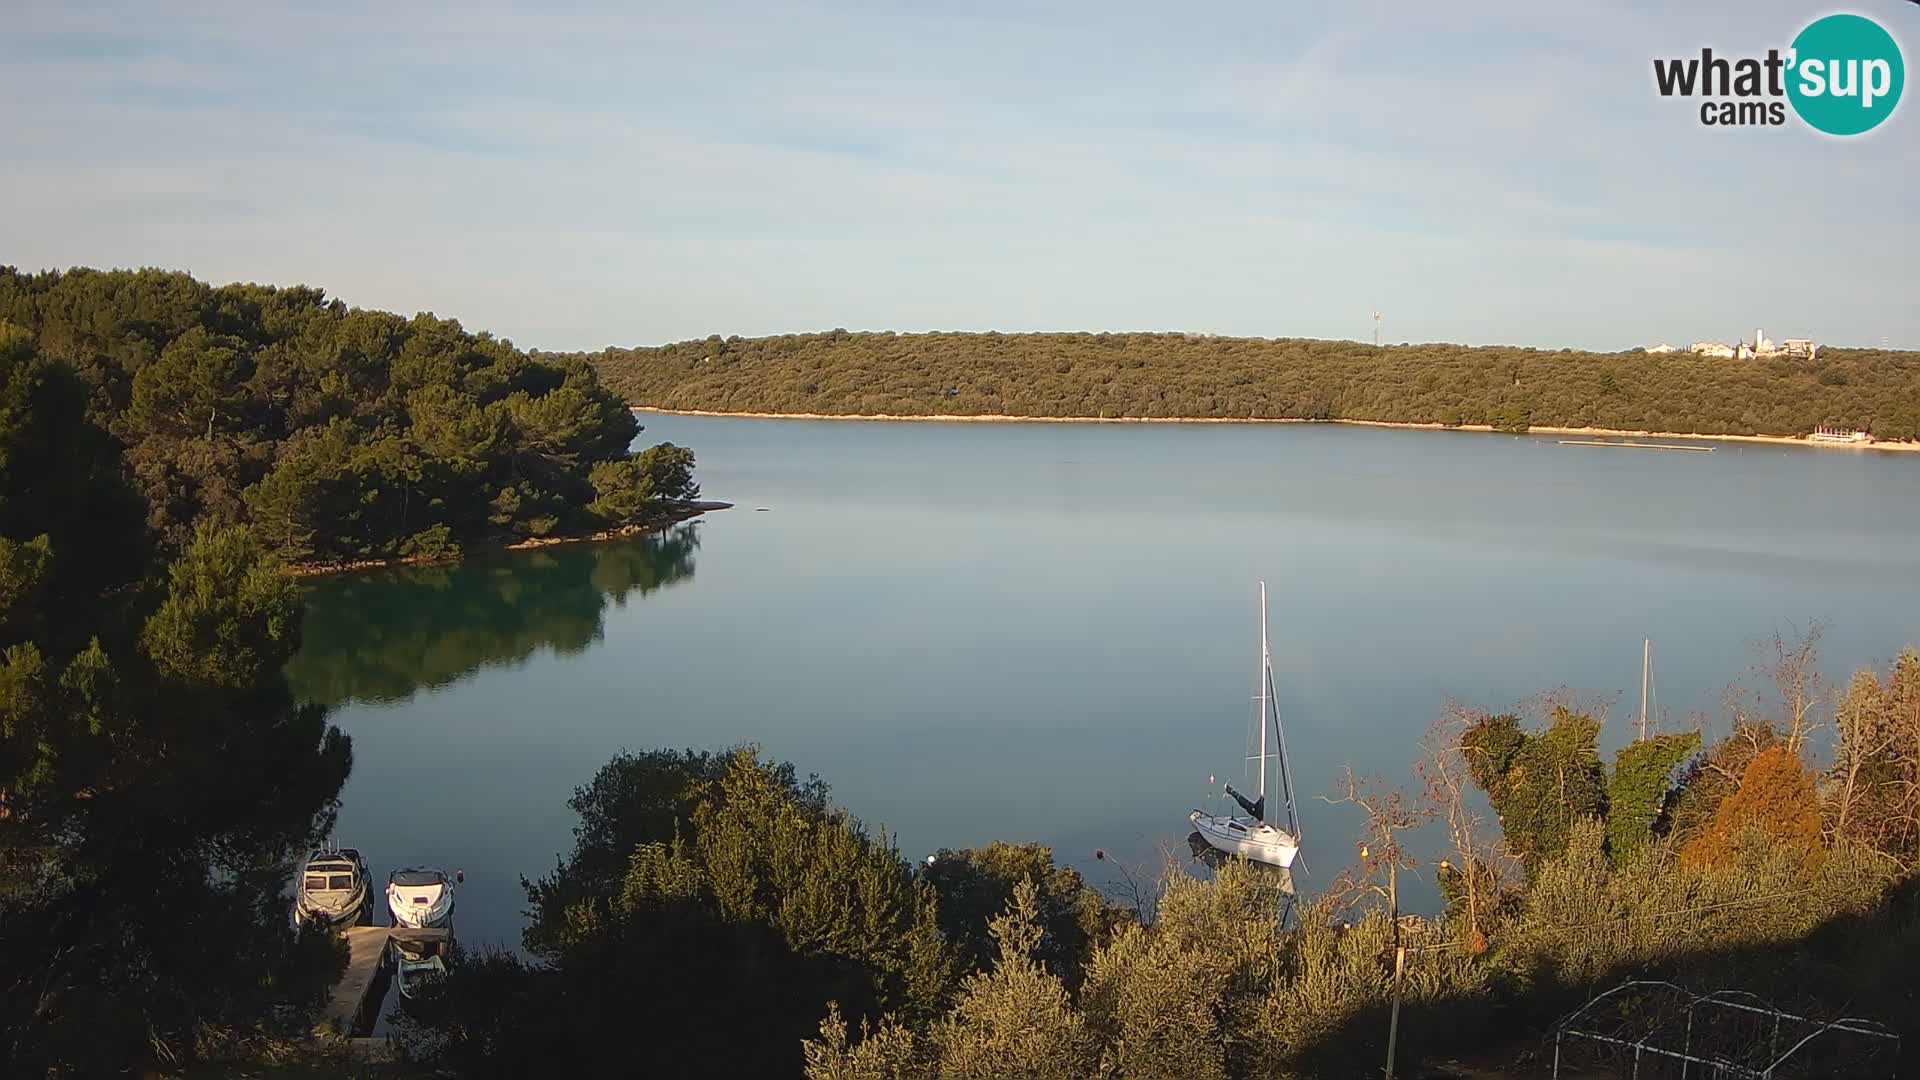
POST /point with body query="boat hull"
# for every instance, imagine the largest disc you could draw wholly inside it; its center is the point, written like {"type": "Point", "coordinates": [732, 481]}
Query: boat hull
{"type": "Point", "coordinates": [1254, 841]}
{"type": "Point", "coordinates": [305, 915]}
{"type": "Point", "coordinates": [416, 964]}
{"type": "Point", "coordinates": [329, 908]}
{"type": "Point", "coordinates": [437, 914]}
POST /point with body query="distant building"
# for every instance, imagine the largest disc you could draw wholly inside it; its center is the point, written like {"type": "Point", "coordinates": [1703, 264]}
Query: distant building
{"type": "Point", "coordinates": [1760, 346]}
{"type": "Point", "coordinates": [1663, 347]}
{"type": "Point", "coordinates": [1826, 434]}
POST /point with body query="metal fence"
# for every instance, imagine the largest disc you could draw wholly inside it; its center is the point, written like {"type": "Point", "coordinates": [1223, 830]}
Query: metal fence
{"type": "Point", "coordinates": [1652, 1030]}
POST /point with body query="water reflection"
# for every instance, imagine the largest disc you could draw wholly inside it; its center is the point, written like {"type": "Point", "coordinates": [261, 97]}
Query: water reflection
{"type": "Point", "coordinates": [385, 635]}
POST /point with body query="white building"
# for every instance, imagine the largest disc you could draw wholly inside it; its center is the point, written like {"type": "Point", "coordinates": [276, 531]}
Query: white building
{"type": "Point", "coordinates": [1760, 346]}
{"type": "Point", "coordinates": [1663, 347]}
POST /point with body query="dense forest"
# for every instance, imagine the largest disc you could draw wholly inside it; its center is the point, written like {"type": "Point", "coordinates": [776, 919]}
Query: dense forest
{"type": "Point", "coordinates": [156, 772]}
{"type": "Point", "coordinates": [704, 888]}
{"type": "Point", "coordinates": [1188, 375]}
{"type": "Point", "coordinates": [338, 434]}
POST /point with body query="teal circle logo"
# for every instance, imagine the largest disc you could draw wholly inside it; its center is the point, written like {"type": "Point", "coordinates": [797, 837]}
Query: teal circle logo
{"type": "Point", "coordinates": [1846, 74]}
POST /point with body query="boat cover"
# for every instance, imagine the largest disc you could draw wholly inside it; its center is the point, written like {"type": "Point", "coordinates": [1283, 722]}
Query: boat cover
{"type": "Point", "coordinates": [1257, 808]}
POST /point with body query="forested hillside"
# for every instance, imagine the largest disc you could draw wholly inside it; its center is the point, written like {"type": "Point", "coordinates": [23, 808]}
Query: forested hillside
{"type": "Point", "coordinates": [337, 433]}
{"type": "Point", "coordinates": [1183, 375]}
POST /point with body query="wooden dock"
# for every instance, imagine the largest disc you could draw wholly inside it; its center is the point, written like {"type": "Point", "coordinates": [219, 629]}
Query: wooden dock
{"type": "Point", "coordinates": [357, 996]}
{"type": "Point", "coordinates": [1641, 445]}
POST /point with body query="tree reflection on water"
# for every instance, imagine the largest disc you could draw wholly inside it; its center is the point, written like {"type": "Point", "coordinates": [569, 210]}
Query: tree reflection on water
{"type": "Point", "coordinates": [384, 635]}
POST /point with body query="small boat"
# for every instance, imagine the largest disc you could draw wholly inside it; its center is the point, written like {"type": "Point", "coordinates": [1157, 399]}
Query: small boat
{"type": "Point", "coordinates": [416, 964]}
{"type": "Point", "coordinates": [420, 897]}
{"type": "Point", "coordinates": [1250, 835]}
{"type": "Point", "coordinates": [332, 889]}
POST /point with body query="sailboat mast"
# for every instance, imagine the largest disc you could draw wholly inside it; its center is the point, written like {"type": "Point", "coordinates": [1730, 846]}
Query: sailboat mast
{"type": "Point", "coordinates": [1646, 668]}
{"type": "Point", "coordinates": [1264, 681]}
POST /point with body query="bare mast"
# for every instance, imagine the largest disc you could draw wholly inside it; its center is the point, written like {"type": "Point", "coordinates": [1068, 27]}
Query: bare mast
{"type": "Point", "coordinates": [1264, 682]}
{"type": "Point", "coordinates": [1646, 669]}
{"type": "Point", "coordinates": [1270, 706]}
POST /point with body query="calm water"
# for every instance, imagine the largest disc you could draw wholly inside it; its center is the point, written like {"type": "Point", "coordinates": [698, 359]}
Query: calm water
{"type": "Point", "coordinates": [1047, 632]}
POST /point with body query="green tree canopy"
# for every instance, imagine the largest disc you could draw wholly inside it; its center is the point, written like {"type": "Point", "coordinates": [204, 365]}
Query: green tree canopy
{"type": "Point", "coordinates": [1539, 782]}
{"type": "Point", "coordinates": [156, 775]}
{"type": "Point", "coordinates": [1642, 787]}
{"type": "Point", "coordinates": [341, 434]}
{"type": "Point", "coordinates": [719, 899]}
{"type": "Point", "coordinates": [976, 885]}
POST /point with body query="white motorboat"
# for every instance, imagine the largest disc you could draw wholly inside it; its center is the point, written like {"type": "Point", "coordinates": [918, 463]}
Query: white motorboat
{"type": "Point", "coordinates": [1250, 835]}
{"type": "Point", "coordinates": [420, 897]}
{"type": "Point", "coordinates": [331, 889]}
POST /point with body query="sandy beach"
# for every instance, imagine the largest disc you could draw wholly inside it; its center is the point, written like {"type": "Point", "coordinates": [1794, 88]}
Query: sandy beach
{"type": "Point", "coordinates": [1538, 429]}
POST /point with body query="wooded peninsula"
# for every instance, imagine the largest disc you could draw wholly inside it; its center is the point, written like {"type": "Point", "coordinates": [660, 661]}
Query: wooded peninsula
{"type": "Point", "coordinates": [1193, 376]}
{"type": "Point", "coordinates": [338, 435]}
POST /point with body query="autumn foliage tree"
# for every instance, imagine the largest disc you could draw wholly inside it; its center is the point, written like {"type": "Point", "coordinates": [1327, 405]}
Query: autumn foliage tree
{"type": "Point", "coordinates": [1714, 774]}
{"type": "Point", "coordinates": [1775, 797]}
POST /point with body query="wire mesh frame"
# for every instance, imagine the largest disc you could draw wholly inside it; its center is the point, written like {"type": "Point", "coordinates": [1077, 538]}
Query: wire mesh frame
{"type": "Point", "coordinates": [1579, 1025]}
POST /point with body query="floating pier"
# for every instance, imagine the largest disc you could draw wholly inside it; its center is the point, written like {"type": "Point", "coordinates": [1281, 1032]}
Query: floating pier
{"type": "Point", "coordinates": [1641, 445]}
{"type": "Point", "coordinates": [357, 996]}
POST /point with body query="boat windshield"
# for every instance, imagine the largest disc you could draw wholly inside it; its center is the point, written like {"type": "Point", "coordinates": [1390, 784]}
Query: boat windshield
{"type": "Point", "coordinates": [342, 882]}
{"type": "Point", "coordinates": [419, 877]}
{"type": "Point", "coordinates": [316, 883]}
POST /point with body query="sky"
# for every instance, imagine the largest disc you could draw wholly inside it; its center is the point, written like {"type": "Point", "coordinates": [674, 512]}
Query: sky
{"type": "Point", "coordinates": [579, 175]}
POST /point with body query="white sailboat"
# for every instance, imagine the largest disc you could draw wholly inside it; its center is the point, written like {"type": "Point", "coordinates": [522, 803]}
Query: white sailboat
{"type": "Point", "coordinates": [1251, 836]}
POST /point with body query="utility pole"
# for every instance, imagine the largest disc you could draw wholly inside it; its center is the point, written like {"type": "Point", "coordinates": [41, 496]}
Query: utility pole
{"type": "Point", "coordinates": [1399, 960]}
